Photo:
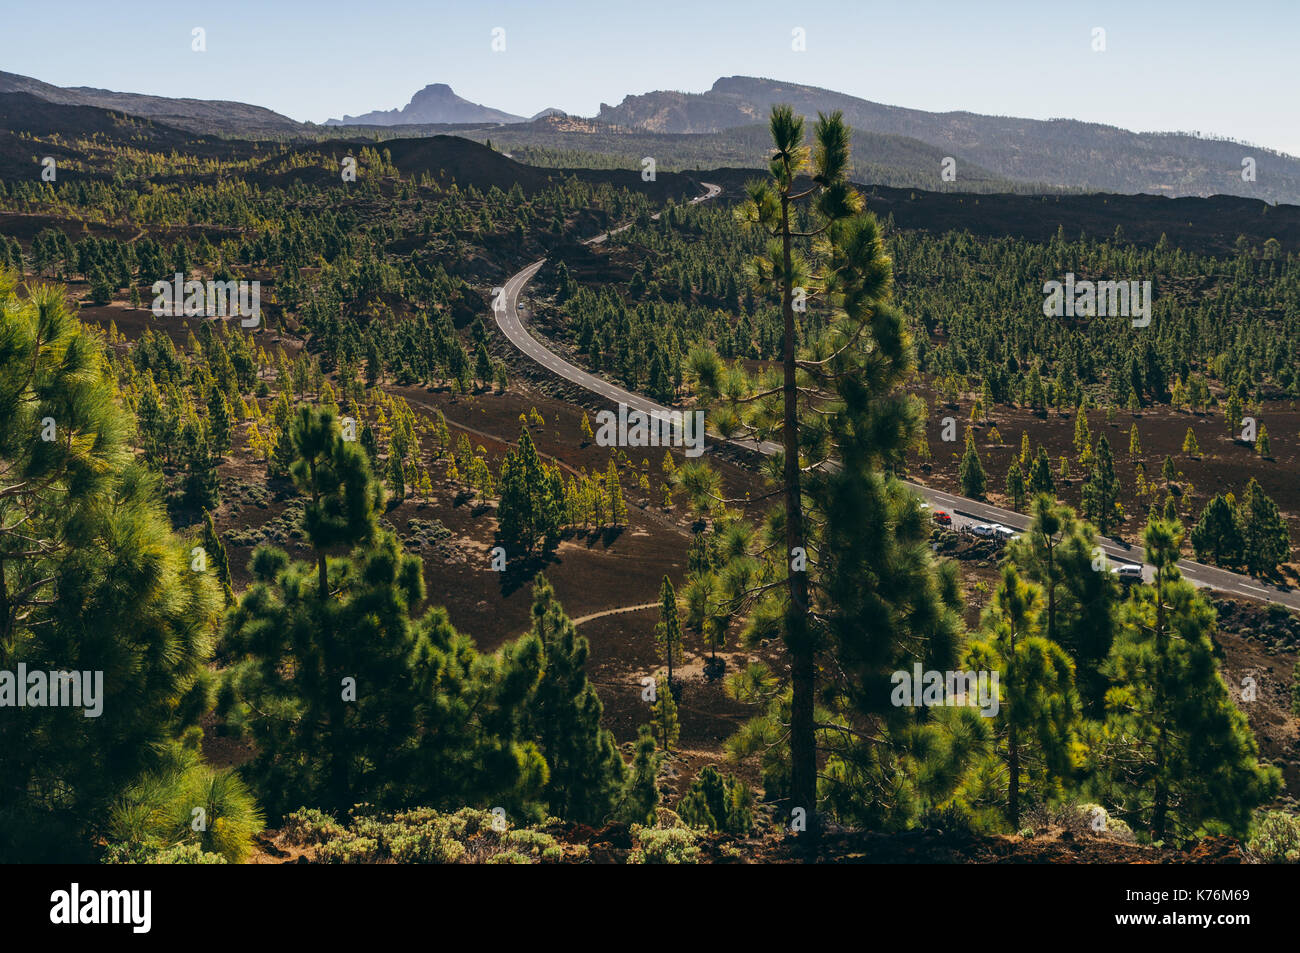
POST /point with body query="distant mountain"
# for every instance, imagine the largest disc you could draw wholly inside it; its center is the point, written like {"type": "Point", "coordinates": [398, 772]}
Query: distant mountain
{"type": "Point", "coordinates": [196, 115]}
{"type": "Point", "coordinates": [558, 141]}
{"type": "Point", "coordinates": [436, 103]}
{"type": "Point", "coordinates": [723, 126]}
{"type": "Point", "coordinates": [1061, 152]}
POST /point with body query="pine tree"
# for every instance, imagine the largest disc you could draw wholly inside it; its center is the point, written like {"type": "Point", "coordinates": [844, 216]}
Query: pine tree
{"type": "Point", "coordinates": [668, 631]}
{"type": "Point", "coordinates": [641, 793]}
{"type": "Point", "coordinates": [1134, 444]}
{"type": "Point", "coordinates": [370, 444]}
{"type": "Point", "coordinates": [1082, 435]}
{"type": "Point", "coordinates": [840, 397]}
{"type": "Point", "coordinates": [1101, 491]}
{"type": "Point", "coordinates": [527, 513]}
{"type": "Point", "coordinates": [586, 774]}
{"type": "Point", "coordinates": [1261, 442]}
{"type": "Point", "coordinates": [1038, 716]}
{"type": "Point", "coordinates": [1190, 446]}
{"type": "Point", "coordinates": [1059, 554]}
{"type": "Point", "coordinates": [587, 435]}
{"type": "Point", "coordinates": [282, 453]}
{"type": "Point", "coordinates": [1265, 541]}
{"type": "Point", "coordinates": [1015, 486]}
{"type": "Point", "coordinates": [663, 719]}
{"type": "Point", "coordinates": [91, 578]}
{"type": "Point", "coordinates": [1232, 413]}
{"type": "Point", "coordinates": [351, 698]}
{"type": "Point", "coordinates": [614, 495]}
{"type": "Point", "coordinates": [216, 557]}
{"type": "Point", "coordinates": [483, 365]}
{"type": "Point", "coordinates": [219, 420]}
{"type": "Point", "coordinates": [717, 802]}
{"type": "Point", "coordinates": [972, 475]}
{"type": "Point", "coordinates": [1040, 474]}
{"type": "Point", "coordinates": [1175, 753]}
{"type": "Point", "coordinates": [395, 478]}
{"type": "Point", "coordinates": [343, 500]}
{"type": "Point", "coordinates": [201, 485]}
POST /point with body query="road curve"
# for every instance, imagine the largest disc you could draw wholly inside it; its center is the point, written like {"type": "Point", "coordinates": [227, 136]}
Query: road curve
{"type": "Point", "coordinates": [964, 512]}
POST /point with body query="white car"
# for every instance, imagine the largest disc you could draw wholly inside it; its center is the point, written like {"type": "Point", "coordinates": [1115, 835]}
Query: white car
{"type": "Point", "coordinates": [1004, 532]}
{"type": "Point", "coordinates": [983, 530]}
{"type": "Point", "coordinates": [1130, 573]}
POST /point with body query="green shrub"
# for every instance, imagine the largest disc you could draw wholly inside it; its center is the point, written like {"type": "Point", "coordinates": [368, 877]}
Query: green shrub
{"type": "Point", "coordinates": [657, 845]}
{"type": "Point", "coordinates": [418, 836]}
{"type": "Point", "coordinates": [188, 853]}
{"type": "Point", "coordinates": [1275, 838]}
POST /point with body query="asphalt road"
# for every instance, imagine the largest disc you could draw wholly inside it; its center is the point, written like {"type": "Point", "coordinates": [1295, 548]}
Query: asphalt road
{"type": "Point", "coordinates": [964, 512]}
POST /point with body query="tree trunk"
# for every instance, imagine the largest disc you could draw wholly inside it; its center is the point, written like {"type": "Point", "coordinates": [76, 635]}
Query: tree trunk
{"type": "Point", "coordinates": [1160, 806]}
{"type": "Point", "coordinates": [1013, 757]}
{"type": "Point", "coordinates": [1051, 591]}
{"type": "Point", "coordinates": [1013, 766]}
{"type": "Point", "coordinates": [803, 739]}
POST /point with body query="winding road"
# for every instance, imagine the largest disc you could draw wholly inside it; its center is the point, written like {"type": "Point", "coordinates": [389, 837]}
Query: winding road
{"type": "Point", "coordinates": [964, 512]}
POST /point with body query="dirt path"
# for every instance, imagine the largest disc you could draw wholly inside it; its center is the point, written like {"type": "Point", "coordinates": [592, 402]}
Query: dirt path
{"type": "Point", "coordinates": [618, 611]}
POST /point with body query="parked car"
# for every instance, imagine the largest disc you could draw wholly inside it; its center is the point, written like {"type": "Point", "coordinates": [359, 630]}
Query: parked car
{"type": "Point", "coordinates": [983, 530]}
{"type": "Point", "coordinates": [1005, 533]}
{"type": "Point", "coordinates": [941, 516]}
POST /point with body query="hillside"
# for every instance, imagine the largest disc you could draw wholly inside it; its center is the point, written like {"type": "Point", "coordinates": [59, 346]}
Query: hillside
{"type": "Point", "coordinates": [1061, 152]}
{"type": "Point", "coordinates": [883, 159]}
{"type": "Point", "coordinates": [198, 115]}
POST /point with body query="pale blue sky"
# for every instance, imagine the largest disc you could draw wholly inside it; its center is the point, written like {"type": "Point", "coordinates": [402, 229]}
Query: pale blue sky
{"type": "Point", "coordinates": [1223, 68]}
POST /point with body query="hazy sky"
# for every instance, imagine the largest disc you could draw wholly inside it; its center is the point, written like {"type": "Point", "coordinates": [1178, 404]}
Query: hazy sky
{"type": "Point", "coordinates": [1214, 67]}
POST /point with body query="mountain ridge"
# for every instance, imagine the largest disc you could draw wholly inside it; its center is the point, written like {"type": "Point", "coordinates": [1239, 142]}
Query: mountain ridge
{"type": "Point", "coordinates": [195, 115]}
{"type": "Point", "coordinates": [435, 103]}
{"type": "Point", "coordinates": [1053, 153]}
{"type": "Point", "coordinates": [1064, 152]}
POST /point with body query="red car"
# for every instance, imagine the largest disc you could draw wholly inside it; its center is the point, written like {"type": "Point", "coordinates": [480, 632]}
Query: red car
{"type": "Point", "coordinates": [941, 516]}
